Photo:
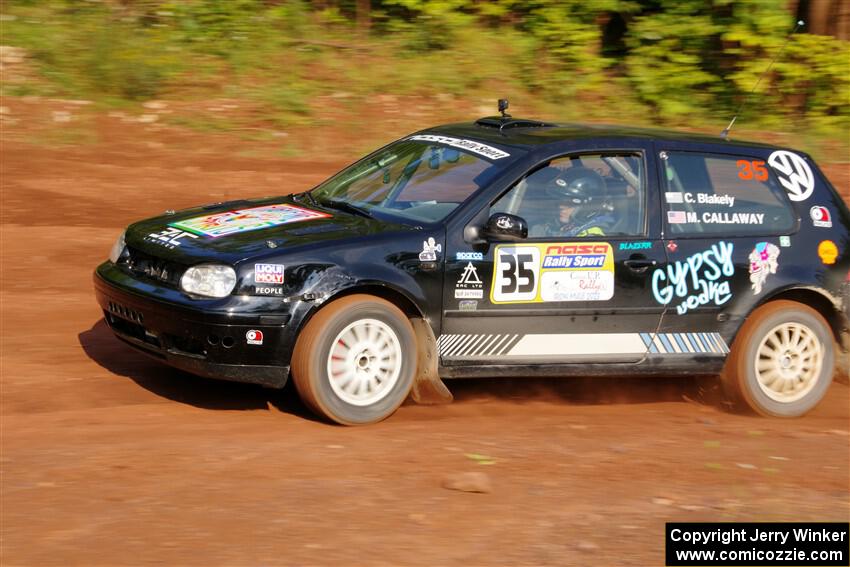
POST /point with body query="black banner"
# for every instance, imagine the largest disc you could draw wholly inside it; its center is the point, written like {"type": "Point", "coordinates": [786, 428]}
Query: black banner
{"type": "Point", "coordinates": [758, 543]}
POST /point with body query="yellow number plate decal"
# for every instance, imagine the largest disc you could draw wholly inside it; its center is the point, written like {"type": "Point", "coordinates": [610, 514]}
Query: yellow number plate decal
{"type": "Point", "coordinates": [552, 272]}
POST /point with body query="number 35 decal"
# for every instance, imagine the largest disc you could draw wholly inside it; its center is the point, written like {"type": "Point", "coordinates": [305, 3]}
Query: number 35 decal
{"type": "Point", "coordinates": [752, 170]}
{"type": "Point", "coordinates": [517, 274]}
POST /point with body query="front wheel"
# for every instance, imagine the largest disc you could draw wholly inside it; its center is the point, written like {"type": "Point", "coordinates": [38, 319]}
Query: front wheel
{"type": "Point", "coordinates": [355, 360]}
{"type": "Point", "coordinates": [782, 360]}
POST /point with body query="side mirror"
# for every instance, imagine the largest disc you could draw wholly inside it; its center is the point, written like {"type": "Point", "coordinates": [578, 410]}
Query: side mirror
{"type": "Point", "coordinates": [502, 226]}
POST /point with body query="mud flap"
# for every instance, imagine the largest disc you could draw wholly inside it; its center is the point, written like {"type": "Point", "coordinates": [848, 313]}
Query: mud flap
{"type": "Point", "coordinates": [842, 368]}
{"type": "Point", "coordinates": [427, 386]}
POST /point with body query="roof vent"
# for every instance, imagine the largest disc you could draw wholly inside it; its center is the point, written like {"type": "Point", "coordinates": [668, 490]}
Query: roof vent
{"type": "Point", "coordinates": [505, 123]}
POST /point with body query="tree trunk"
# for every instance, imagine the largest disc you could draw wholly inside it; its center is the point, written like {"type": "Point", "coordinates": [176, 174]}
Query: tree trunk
{"type": "Point", "coordinates": [364, 16]}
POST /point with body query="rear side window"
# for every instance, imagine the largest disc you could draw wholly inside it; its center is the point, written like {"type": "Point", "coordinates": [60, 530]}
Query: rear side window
{"type": "Point", "coordinates": [723, 194]}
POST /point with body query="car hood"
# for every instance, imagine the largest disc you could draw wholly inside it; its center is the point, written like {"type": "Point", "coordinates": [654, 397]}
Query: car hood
{"type": "Point", "coordinates": [235, 230]}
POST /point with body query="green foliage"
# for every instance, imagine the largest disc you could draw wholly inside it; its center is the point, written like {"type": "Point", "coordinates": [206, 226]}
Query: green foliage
{"type": "Point", "coordinates": [664, 61]}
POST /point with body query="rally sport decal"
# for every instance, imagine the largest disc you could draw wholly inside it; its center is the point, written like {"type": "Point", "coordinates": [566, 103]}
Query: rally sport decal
{"type": "Point", "coordinates": [243, 220]}
{"type": "Point", "coordinates": [555, 271]}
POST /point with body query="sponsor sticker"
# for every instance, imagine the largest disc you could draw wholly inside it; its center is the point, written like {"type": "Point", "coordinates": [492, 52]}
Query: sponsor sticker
{"type": "Point", "coordinates": [672, 246]}
{"type": "Point", "coordinates": [763, 262]}
{"type": "Point", "coordinates": [820, 217]}
{"type": "Point", "coordinates": [254, 337]}
{"type": "Point", "coordinates": [475, 147]}
{"type": "Point", "coordinates": [700, 279]}
{"type": "Point", "coordinates": [793, 173]}
{"type": "Point", "coordinates": [467, 305]}
{"type": "Point", "coordinates": [469, 256]}
{"type": "Point", "coordinates": [169, 237]}
{"type": "Point", "coordinates": [268, 273]}
{"type": "Point", "coordinates": [505, 223]}
{"type": "Point", "coordinates": [243, 220]}
{"type": "Point", "coordinates": [553, 272]}
{"type": "Point", "coordinates": [469, 286]}
{"type": "Point", "coordinates": [429, 250]}
{"type": "Point", "coordinates": [828, 252]}
{"type": "Point", "coordinates": [635, 245]}
{"type": "Point", "coordinates": [785, 241]}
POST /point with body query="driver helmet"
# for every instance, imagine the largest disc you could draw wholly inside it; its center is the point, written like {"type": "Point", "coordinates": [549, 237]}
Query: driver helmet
{"type": "Point", "coordinates": [578, 186]}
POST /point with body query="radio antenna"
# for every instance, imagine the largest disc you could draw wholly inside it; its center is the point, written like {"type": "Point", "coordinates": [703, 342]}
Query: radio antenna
{"type": "Point", "coordinates": [725, 133]}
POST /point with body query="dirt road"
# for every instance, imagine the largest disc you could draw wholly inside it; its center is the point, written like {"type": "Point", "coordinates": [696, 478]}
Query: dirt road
{"type": "Point", "coordinates": [109, 458]}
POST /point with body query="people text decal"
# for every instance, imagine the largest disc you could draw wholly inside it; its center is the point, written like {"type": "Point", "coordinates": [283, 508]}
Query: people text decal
{"type": "Point", "coordinates": [231, 222]}
{"type": "Point", "coordinates": [763, 262]}
{"type": "Point", "coordinates": [469, 286]}
{"type": "Point", "coordinates": [268, 290]}
{"type": "Point", "coordinates": [429, 250]}
{"type": "Point", "coordinates": [698, 280]}
{"type": "Point", "coordinates": [168, 237]}
{"type": "Point", "coordinates": [539, 273]}
{"type": "Point", "coordinates": [794, 174]}
{"type": "Point", "coordinates": [468, 145]}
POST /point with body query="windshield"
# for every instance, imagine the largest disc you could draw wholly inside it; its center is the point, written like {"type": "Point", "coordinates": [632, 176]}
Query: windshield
{"type": "Point", "coordinates": [419, 180]}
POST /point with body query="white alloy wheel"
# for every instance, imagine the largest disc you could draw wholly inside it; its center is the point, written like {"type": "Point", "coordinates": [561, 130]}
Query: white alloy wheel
{"type": "Point", "coordinates": [782, 360]}
{"type": "Point", "coordinates": [355, 359]}
{"type": "Point", "coordinates": [789, 362]}
{"type": "Point", "coordinates": [364, 362]}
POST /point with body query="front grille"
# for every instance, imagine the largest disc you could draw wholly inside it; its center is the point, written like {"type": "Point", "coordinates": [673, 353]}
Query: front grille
{"type": "Point", "coordinates": [131, 329]}
{"type": "Point", "coordinates": [145, 266]}
{"type": "Point", "coordinates": [126, 312]}
{"type": "Point", "coordinates": [186, 345]}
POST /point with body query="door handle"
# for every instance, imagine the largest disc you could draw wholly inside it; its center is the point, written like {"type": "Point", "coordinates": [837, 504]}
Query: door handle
{"type": "Point", "coordinates": [640, 265]}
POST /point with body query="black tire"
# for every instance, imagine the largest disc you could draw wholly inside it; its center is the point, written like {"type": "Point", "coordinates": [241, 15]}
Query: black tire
{"type": "Point", "coordinates": [792, 364]}
{"type": "Point", "coordinates": [371, 378]}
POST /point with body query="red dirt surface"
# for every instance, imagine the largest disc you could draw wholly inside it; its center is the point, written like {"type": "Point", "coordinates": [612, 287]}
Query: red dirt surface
{"type": "Point", "coordinates": [109, 458]}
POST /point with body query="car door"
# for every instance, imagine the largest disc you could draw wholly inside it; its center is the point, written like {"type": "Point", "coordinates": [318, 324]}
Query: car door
{"type": "Point", "coordinates": [553, 298]}
{"type": "Point", "coordinates": [726, 222]}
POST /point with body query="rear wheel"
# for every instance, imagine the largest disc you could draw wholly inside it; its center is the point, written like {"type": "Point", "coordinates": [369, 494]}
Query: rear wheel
{"type": "Point", "coordinates": [355, 360]}
{"type": "Point", "coordinates": [782, 361]}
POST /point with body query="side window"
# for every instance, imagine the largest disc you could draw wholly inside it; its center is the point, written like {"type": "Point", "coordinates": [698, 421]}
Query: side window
{"type": "Point", "coordinates": [722, 194]}
{"type": "Point", "coordinates": [581, 195]}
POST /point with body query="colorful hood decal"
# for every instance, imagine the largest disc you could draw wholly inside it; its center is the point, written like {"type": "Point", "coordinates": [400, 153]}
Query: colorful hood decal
{"type": "Point", "coordinates": [243, 220]}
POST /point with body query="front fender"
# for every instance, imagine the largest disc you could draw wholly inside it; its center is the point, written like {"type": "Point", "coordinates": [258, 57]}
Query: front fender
{"type": "Point", "coordinates": [417, 295]}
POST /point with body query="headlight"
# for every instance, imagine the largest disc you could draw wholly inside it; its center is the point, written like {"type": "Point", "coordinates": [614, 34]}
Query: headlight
{"type": "Point", "coordinates": [117, 249]}
{"type": "Point", "coordinates": [210, 280]}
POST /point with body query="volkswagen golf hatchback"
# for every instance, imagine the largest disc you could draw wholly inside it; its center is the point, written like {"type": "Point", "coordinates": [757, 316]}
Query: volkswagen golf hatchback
{"type": "Point", "coordinates": [504, 247]}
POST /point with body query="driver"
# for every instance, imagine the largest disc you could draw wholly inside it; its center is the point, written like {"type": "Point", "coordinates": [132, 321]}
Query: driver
{"type": "Point", "coordinates": [582, 210]}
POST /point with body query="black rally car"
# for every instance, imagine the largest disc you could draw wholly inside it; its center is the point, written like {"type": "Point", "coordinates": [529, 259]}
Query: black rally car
{"type": "Point", "coordinates": [504, 247]}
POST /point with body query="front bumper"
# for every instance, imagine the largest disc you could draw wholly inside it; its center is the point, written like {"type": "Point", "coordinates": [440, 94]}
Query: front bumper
{"type": "Point", "coordinates": [210, 344]}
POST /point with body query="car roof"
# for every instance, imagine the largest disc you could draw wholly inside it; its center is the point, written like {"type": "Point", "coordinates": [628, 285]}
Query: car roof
{"type": "Point", "coordinates": [532, 133]}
